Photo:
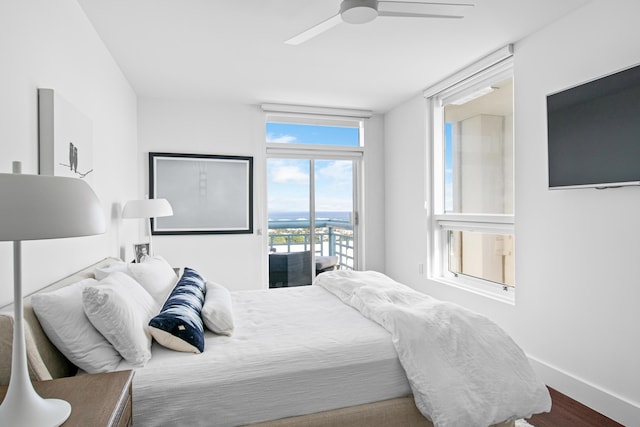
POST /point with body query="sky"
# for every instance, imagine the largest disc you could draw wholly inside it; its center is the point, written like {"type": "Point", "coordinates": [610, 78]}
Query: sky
{"type": "Point", "coordinates": [448, 168]}
{"type": "Point", "coordinates": [311, 134]}
{"type": "Point", "coordinates": [288, 179]}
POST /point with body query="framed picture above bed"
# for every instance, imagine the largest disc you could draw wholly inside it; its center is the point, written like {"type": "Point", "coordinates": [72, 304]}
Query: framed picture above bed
{"type": "Point", "coordinates": [209, 194]}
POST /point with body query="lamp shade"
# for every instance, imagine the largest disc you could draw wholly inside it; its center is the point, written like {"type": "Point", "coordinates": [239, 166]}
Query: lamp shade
{"type": "Point", "coordinates": [147, 208]}
{"type": "Point", "coordinates": [34, 207]}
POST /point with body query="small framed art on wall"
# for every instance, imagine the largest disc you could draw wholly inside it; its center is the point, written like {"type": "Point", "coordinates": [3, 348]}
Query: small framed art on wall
{"type": "Point", "coordinates": [65, 136]}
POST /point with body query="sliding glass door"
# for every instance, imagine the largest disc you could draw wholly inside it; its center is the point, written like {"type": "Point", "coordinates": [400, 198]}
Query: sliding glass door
{"type": "Point", "coordinates": [311, 217]}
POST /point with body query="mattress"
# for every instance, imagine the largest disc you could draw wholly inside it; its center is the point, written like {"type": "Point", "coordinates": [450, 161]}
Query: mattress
{"type": "Point", "coordinates": [294, 351]}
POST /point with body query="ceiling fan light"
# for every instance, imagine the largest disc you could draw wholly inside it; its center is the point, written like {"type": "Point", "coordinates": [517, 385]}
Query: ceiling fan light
{"type": "Point", "coordinates": [358, 11]}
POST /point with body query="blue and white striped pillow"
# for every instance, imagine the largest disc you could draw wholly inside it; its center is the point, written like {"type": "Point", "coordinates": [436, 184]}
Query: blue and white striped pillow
{"type": "Point", "coordinates": [179, 325]}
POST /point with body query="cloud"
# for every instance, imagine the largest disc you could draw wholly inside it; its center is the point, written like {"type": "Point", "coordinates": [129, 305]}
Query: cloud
{"type": "Point", "coordinates": [289, 185]}
{"type": "Point", "coordinates": [339, 170]}
{"type": "Point", "coordinates": [334, 178]}
{"type": "Point", "coordinates": [282, 139]}
{"type": "Point", "coordinates": [448, 197]}
{"type": "Point", "coordinates": [289, 174]}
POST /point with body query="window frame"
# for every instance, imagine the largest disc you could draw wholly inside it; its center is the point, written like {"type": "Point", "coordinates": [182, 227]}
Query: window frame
{"type": "Point", "coordinates": [347, 121]}
{"type": "Point", "coordinates": [442, 222]}
{"type": "Point", "coordinates": [325, 152]}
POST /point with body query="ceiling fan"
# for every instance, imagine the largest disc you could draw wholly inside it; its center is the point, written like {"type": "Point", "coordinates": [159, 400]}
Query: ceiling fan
{"type": "Point", "coordinates": [363, 11]}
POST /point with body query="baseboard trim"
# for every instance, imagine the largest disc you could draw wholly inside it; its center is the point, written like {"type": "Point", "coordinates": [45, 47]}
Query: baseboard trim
{"type": "Point", "coordinates": [607, 403]}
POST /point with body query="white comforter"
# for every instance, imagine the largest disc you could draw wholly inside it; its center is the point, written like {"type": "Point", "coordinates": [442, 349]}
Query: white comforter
{"type": "Point", "coordinates": [294, 351]}
{"type": "Point", "coordinates": [464, 370]}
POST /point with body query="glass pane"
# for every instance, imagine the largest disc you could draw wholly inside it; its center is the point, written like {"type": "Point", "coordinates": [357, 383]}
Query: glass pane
{"type": "Point", "coordinates": [288, 217]}
{"type": "Point", "coordinates": [334, 214]}
{"type": "Point", "coordinates": [478, 152]}
{"type": "Point", "coordinates": [290, 133]}
{"type": "Point", "coordinates": [482, 255]}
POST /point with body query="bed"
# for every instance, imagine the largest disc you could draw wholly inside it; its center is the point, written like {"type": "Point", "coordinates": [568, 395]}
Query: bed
{"type": "Point", "coordinates": [298, 357]}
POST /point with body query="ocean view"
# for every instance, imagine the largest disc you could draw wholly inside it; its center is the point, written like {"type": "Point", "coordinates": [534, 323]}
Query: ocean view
{"type": "Point", "coordinates": [299, 215]}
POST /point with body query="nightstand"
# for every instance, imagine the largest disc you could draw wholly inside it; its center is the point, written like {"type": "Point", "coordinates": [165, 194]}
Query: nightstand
{"type": "Point", "coordinates": [96, 400]}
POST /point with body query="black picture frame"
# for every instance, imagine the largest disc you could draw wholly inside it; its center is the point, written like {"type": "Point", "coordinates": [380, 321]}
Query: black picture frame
{"type": "Point", "coordinates": [209, 194]}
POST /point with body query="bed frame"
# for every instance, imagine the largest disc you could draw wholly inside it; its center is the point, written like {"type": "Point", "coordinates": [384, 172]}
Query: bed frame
{"type": "Point", "coordinates": [45, 362]}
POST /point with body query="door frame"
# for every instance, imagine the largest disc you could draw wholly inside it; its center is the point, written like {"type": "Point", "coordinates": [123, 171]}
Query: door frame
{"type": "Point", "coordinates": [313, 153]}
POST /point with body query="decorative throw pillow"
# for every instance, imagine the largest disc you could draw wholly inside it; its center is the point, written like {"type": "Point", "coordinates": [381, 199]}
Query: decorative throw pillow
{"type": "Point", "coordinates": [61, 315]}
{"type": "Point", "coordinates": [120, 309]}
{"type": "Point", "coordinates": [217, 312]}
{"type": "Point", "coordinates": [156, 276]}
{"type": "Point", "coordinates": [179, 325]}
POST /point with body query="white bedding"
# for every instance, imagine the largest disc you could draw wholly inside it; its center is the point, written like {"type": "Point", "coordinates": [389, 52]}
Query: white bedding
{"type": "Point", "coordinates": [464, 370]}
{"type": "Point", "coordinates": [268, 369]}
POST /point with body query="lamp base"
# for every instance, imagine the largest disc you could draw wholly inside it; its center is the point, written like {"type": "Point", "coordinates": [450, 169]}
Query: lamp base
{"type": "Point", "coordinates": [34, 412]}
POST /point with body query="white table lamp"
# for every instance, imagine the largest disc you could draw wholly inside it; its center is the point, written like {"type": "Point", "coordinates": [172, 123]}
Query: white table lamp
{"type": "Point", "coordinates": [35, 207]}
{"type": "Point", "coordinates": [147, 209]}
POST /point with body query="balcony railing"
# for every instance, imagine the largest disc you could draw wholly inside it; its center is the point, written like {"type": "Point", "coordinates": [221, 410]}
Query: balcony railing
{"type": "Point", "coordinates": [333, 237]}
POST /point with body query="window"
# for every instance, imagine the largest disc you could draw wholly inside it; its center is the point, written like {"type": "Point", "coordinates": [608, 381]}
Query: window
{"type": "Point", "coordinates": [313, 184]}
{"type": "Point", "coordinates": [472, 233]}
{"type": "Point", "coordinates": [312, 134]}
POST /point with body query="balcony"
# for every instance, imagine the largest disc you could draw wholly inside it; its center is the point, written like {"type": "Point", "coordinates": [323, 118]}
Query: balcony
{"type": "Point", "coordinates": [333, 238]}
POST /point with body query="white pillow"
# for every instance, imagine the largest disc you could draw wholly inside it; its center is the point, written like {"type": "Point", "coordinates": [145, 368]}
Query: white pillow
{"type": "Point", "coordinates": [120, 309]}
{"type": "Point", "coordinates": [61, 315]}
{"type": "Point", "coordinates": [217, 313]}
{"type": "Point", "coordinates": [102, 272]}
{"type": "Point", "coordinates": [156, 276]}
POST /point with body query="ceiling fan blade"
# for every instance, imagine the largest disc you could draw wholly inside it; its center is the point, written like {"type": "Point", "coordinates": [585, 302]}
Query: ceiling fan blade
{"type": "Point", "coordinates": [315, 30]}
{"type": "Point", "coordinates": [418, 15]}
{"type": "Point", "coordinates": [422, 9]}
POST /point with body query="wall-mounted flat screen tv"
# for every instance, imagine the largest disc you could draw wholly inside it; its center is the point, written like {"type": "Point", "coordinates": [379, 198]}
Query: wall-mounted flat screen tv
{"type": "Point", "coordinates": [593, 132]}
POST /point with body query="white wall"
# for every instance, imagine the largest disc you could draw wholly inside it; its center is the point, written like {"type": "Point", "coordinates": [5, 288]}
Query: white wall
{"type": "Point", "coordinates": [405, 129]}
{"type": "Point", "coordinates": [238, 261]}
{"type": "Point", "coordinates": [374, 195]}
{"type": "Point", "coordinates": [577, 269]}
{"type": "Point", "coordinates": [51, 44]}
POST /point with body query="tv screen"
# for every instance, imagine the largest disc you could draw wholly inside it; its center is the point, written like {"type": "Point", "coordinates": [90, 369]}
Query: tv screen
{"type": "Point", "coordinates": [593, 133]}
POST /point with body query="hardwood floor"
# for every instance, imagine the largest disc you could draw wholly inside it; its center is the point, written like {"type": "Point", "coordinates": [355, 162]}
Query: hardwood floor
{"type": "Point", "coordinates": [566, 412]}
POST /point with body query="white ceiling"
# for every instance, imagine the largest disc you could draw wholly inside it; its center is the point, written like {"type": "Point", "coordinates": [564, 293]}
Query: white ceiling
{"type": "Point", "coordinates": [233, 50]}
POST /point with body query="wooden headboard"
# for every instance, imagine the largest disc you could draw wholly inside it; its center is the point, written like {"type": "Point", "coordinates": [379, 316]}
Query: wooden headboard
{"type": "Point", "coordinates": [43, 358]}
